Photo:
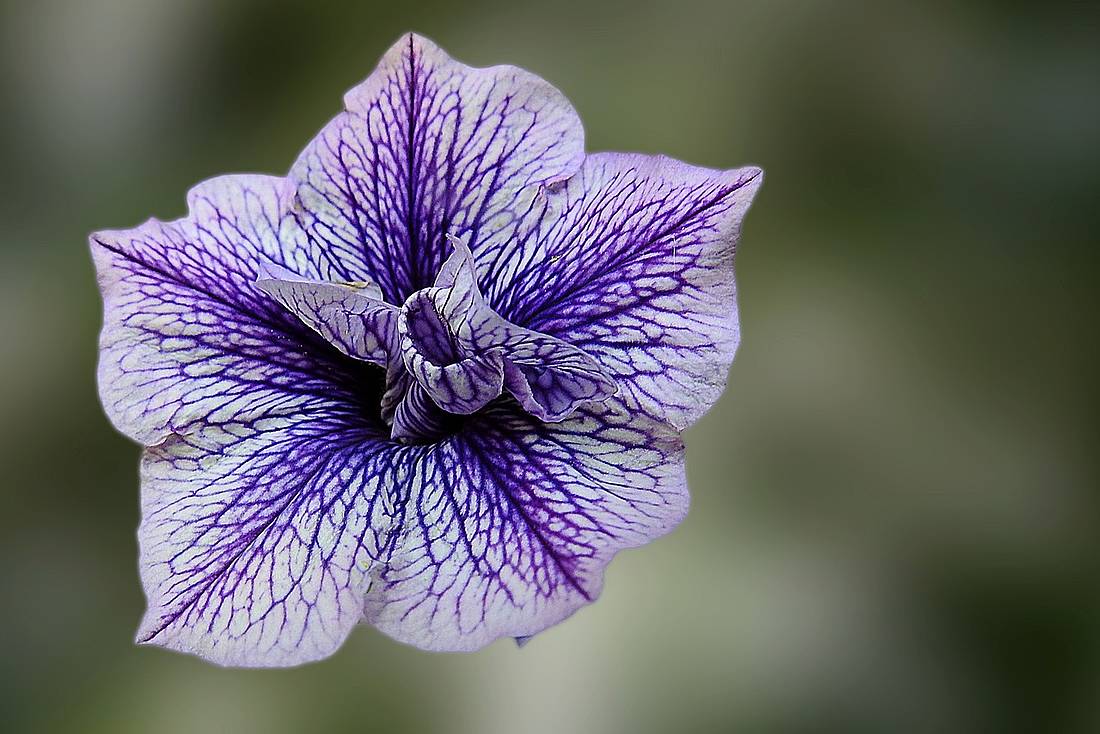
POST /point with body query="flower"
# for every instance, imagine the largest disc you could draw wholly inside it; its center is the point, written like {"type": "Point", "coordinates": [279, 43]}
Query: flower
{"type": "Point", "coordinates": [433, 379]}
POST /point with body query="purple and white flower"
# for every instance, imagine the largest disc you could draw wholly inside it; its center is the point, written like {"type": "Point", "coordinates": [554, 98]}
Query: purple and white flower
{"type": "Point", "coordinates": [433, 379]}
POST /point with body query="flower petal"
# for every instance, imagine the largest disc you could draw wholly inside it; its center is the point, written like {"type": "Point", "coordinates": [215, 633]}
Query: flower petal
{"type": "Point", "coordinates": [457, 378]}
{"type": "Point", "coordinates": [510, 523]}
{"type": "Point", "coordinates": [631, 260]}
{"type": "Point", "coordinates": [187, 335]}
{"type": "Point", "coordinates": [464, 386]}
{"type": "Point", "coordinates": [349, 318]}
{"type": "Point", "coordinates": [366, 288]}
{"type": "Point", "coordinates": [417, 419]}
{"type": "Point", "coordinates": [549, 377]}
{"type": "Point", "coordinates": [256, 507]}
{"type": "Point", "coordinates": [258, 539]}
{"type": "Point", "coordinates": [429, 147]}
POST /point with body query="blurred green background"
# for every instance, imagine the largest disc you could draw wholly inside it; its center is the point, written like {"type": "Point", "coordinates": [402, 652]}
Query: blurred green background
{"type": "Point", "coordinates": [894, 523]}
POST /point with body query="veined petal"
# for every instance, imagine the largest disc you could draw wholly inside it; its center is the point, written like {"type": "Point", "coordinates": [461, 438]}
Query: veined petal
{"type": "Point", "coordinates": [426, 329]}
{"type": "Point", "coordinates": [458, 382]}
{"type": "Point", "coordinates": [188, 337]}
{"type": "Point", "coordinates": [259, 539]}
{"type": "Point", "coordinates": [353, 318]}
{"type": "Point", "coordinates": [350, 316]}
{"type": "Point", "coordinates": [510, 523]}
{"type": "Point", "coordinates": [275, 272]}
{"type": "Point", "coordinates": [417, 418]}
{"type": "Point", "coordinates": [429, 147]}
{"type": "Point", "coordinates": [548, 376]}
{"type": "Point", "coordinates": [631, 260]}
{"type": "Point", "coordinates": [456, 297]}
{"type": "Point", "coordinates": [457, 379]}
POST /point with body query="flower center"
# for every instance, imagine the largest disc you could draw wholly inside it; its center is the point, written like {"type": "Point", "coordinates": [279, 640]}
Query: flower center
{"type": "Point", "coordinates": [445, 350]}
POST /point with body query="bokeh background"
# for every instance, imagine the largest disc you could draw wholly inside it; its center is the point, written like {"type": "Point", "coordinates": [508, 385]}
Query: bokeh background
{"type": "Point", "coordinates": [894, 524]}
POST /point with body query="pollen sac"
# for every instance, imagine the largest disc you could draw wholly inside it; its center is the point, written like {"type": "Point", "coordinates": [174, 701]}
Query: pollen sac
{"type": "Point", "coordinates": [445, 349]}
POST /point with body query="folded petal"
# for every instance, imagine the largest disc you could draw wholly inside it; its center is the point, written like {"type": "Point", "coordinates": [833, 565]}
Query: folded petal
{"type": "Point", "coordinates": [429, 147]}
{"type": "Point", "coordinates": [631, 260]}
{"type": "Point", "coordinates": [550, 378]}
{"type": "Point", "coordinates": [416, 418]}
{"type": "Point", "coordinates": [444, 361]}
{"type": "Point", "coordinates": [510, 523]}
{"type": "Point", "coordinates": [358, 325]}
{"type": "Point", "coordinates": [457, 384]}
{"type": "Point", "coordinates": [187, 336]}
{"type": "Point", "coordinates": [428, 329]}
{"type": "Point", "coordinates": [363, 287]}
{"type": "Point", "coordinates": [451, 322]}
{"type": "Point", "coordinates": [259, 538]}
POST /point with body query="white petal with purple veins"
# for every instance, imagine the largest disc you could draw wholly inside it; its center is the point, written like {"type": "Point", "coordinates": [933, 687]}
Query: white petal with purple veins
{"type": "Point", "coordinates": [187, 335]}
{"type": "Point", "coordinates": [631, 260]}
{"type": "Point", "coordinates": [350, 317]}
{"type": "Point", "coordinates": [259, 540]}
{"type": "Point", "coordinates": [426, 148]}
{"type": "Point", "coordinates": [510, 524]}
